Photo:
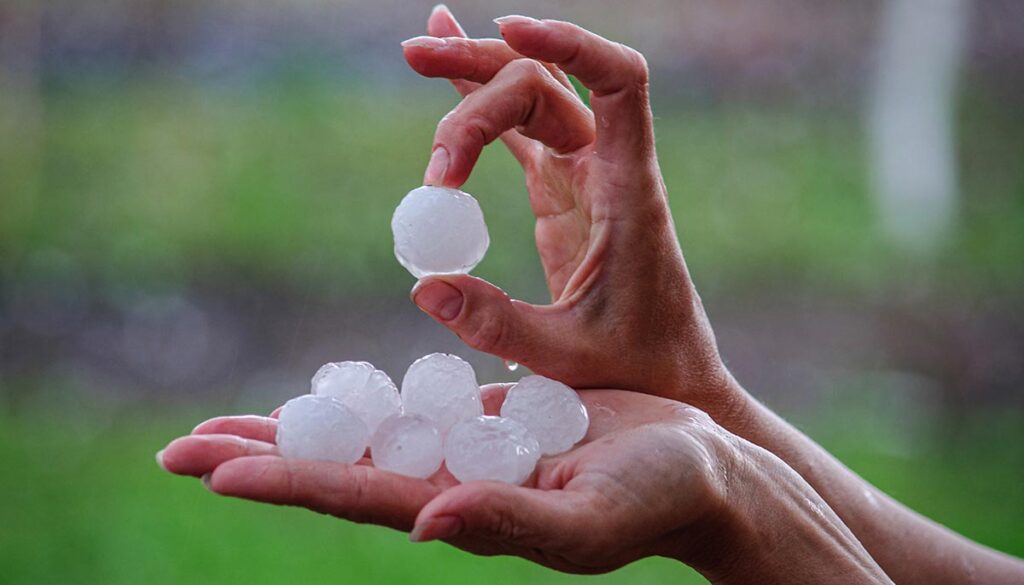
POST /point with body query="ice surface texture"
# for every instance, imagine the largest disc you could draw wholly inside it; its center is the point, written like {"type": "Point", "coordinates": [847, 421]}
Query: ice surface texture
{"type": "Point", "coordinates": [365, 390]}
{"type": "Point", "coordinates": [551, 411]}
{"type": "Point", "coordinates": [491, 447]}
{"type": "Point", "coordinates": [439, 231]}
{"type": "Point", "coordinates": [320, 428]}
{"type": "Point", "coordinates": [442, 388]}
{"type": "Point", "coordinates": [409, 445]}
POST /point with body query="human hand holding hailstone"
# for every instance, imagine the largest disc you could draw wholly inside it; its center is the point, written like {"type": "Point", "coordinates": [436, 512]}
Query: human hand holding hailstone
{"type": "Point", "coordinates": [653, 476]}
{"type": "Point", "coordinates": [617, 279]}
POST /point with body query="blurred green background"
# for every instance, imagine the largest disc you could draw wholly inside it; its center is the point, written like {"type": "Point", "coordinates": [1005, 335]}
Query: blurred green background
{"type": "Point", "coordinates": [194, 209]}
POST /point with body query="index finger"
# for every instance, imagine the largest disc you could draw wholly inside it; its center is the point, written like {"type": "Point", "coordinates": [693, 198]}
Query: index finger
{"type": "Point", "coordinates": [359, 493]}
{"type": "Point", "coordinates": [442, 23]}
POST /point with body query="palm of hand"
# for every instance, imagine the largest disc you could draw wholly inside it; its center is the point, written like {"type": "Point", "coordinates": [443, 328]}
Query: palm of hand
{"type": "Point", "coordinates": [564, 216]}
{"type": "Point", "coordinates": [642, 471]}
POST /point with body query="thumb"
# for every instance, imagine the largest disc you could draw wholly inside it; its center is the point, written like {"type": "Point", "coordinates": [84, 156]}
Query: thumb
{"type": "Point", "coordinates": [504, 513]}
{"type": "Point", "coordinates": [486, 319]}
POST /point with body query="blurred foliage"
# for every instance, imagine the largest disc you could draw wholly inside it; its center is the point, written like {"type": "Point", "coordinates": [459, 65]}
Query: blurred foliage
{"type": "Point", "coordinates": [155, 184]}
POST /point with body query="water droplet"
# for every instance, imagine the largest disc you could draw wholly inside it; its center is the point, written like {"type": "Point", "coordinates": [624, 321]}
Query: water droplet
{"type": "Point", "coordinates": [512, 366]}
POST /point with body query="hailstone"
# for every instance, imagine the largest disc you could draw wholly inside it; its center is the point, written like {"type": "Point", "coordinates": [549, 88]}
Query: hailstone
{"type": "Point", "coordinates": [362, 388]}
{"type": "Point", "coordinates": [442, 388]}
{"type": "Point", "coordinates": [551, 411]}
{"type": "Point", "coordinates": [409, 445]}
{"type": "Point", "coordinates": [439, 231]}
{"type": "Point", "coordinates": [320, 428]}
{"type": "Point", "coordinates": [491, 448]}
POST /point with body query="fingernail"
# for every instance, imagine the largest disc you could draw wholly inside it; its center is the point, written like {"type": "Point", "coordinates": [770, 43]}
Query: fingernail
{"type": "Point", "coordinates": [439, 299]}
{"type": "Point", "coordinates": [160, 459]}
{"type": "Point", "coordinates": [424, 42]}
{"type": "Point", "coordinates": [439, 528]}
{"type": "Point", "coordinates": [439, 8]}
{"type": "Point", "coordinates": [437, 167]}
{"type": "Point", "coordinates": [205, 479]}
{"type": "Point", "coordinates": [516, 19]}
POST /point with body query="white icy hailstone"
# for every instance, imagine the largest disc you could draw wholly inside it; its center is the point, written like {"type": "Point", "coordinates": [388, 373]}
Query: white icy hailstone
{"type": "Point", "coordinates": [320, 428]}
{"type": "Point", "coordinates": [409, 445]}
{"type": "Point", "coordinates": [551, 411]}
{"type": "Point", "coordinates": [439, 231]}
{"type": "Point", "coordinates": [442, 388]}
{"type": "Point", "coordinates": [491, 447]}
{"type": "Point", "coordinates": [362, 388]}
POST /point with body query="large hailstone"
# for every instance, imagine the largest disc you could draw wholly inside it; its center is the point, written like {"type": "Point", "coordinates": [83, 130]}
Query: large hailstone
{"type": "Point", "coordinates": [320, 428]}
{"type": "Point", "coordinates": [491, 448]}
{"type": "Point", "coordinates": [439, 231]}
{"type": "Point", "coordinates": [442, 388]}
{"type": "Point", "coordinates": [362, 388]}
{"type": "Point", "coordinates": [551, 411]}
{"type": "Point", "coordinates": [409, 445]}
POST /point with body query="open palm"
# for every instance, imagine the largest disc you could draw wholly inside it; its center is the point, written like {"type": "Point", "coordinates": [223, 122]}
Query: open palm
{"type": "Point", "coordinates": [644, 474]}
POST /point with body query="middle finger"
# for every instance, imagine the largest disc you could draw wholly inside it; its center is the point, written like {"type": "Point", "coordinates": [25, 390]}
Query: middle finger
{"type": "Point", "coordinates": [475, 60]}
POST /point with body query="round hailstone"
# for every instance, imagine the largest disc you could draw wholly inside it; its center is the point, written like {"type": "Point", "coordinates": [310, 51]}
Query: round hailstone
{"type": "Point", "coordinates": [491, 447]}
{"type": "Point", "coordinates": [320, 428]}
{"type": "Point", "coordinates": [365, 390]}
{"type": "Point", "coordinates": [439, 231]}
{"type": "Point", "coordinates": [409, 445]}
{"type": "Point", "coordinates": [442, 388]}
{"type": "Point", "coordinates": [550, 409]}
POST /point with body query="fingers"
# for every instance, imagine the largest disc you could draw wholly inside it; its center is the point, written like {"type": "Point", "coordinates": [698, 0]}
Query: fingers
{"type": "Point", "coordinates": [616, 75]}
{"type": "Point", "coordinates": [354, 492]}
{"type": "Point", "coordinates": [260, 428]}
{"type": "Point", "coordinates": [524, 96]}
{"type": "Point", "coordinates": [197, 455]}
{"type": "Point", "coordinates": [442, 23]}
{"type": "Point", "coordinates": [534, 519]}
{"type": "Point", "coordinates": [475, 60]}
{"type": "Point", "coordinates": [486, 319]}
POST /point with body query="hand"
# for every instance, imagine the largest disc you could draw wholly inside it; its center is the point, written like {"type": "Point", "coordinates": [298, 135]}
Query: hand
{"type": "Point", "coordinates": [652, 477]}
{"type": "Point", "coordinates": [640, 484]}
{"type": "Point", "coordinates": [625, 313]}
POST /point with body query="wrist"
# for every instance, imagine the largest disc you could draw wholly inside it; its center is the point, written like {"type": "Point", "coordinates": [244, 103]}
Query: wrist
{"type": "Point", "coordinates": [726, 402]}
{"type": "Point", "coordinates": [769, 526]}
{"type": "Point", "coordinates": [709, 540]}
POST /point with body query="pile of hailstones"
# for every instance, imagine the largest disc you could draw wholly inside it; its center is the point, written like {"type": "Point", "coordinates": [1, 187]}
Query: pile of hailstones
{"type": "Point", "coordinates": [437, 418]}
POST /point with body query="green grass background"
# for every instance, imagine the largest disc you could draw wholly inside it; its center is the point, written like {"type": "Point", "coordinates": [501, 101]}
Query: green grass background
{"type": "Point", "coordinates": [93, 507]}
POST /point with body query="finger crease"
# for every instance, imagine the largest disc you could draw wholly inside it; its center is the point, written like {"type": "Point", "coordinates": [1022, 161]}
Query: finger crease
{"type": "Point", "coordinates": [571, 60]}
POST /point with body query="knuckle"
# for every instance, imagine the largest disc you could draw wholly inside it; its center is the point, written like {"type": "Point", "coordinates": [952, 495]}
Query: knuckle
{"type": "Point", "coordinates": [292, 489]}
{"type": "Point", "coordinates": [636, 63]}
{"type": "Point", "coordinates": [487, 334]}
{"type": "Point", "coordinates": [351, 502]}
{"type": "Point", "coordinates": [359, 482]}
{"type": "Point", "coordinates": [493, 516]}
{"type": "Point", "coordinates": [465, 129]}
{"type": "Point", "coordinates": [524, 70]}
